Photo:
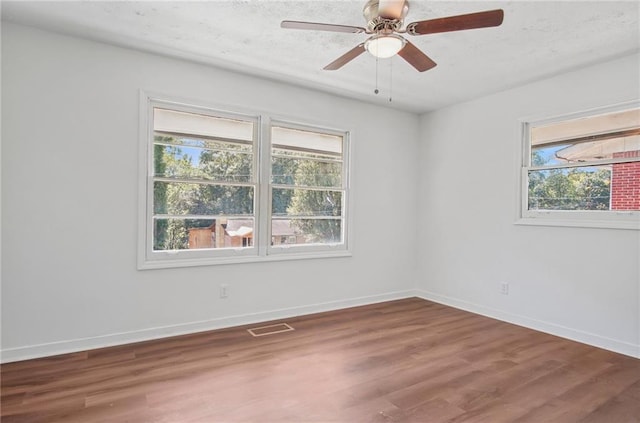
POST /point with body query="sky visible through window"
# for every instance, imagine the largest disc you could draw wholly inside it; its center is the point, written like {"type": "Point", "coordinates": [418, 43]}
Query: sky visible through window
{"type": "Point", "coordinates": [547, 156]}
{"type": "Point", "coordinates": [192, 153]}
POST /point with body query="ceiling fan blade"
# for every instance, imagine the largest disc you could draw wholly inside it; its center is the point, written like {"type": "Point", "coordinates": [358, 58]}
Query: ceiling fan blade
{"type": "Point", "coordinates": [457, 23]}
{"type": "Point", "coordinates": [391, 9]}
{"type": "Point", "coordinates": [321, 27]}
{"type": "Point", "coordinates": [416, 58]}
{"type": "Point", "coordinates": [346, 58]}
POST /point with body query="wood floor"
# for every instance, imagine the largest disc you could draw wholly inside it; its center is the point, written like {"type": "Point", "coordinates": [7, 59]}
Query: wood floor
{"type": "Point", "coordinates": [402, 361]}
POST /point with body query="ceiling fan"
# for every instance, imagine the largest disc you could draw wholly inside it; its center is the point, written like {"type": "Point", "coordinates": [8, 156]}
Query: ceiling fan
{"type": "Point", "coordinates": [385, 19]}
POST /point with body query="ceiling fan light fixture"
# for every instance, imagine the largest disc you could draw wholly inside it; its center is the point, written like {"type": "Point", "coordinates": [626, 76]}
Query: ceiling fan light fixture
{"type": "Point", "coordinates": [384, 45]}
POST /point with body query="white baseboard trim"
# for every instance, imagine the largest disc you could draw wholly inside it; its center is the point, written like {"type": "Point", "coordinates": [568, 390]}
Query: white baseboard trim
{"type": "Point", "coordinates": [614, 345]}
{"type": "Point", "coordinates": [82, 344]}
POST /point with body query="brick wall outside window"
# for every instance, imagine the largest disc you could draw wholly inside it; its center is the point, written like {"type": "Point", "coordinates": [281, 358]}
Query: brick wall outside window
{"type": "Point", "coordinates": [625, 183]}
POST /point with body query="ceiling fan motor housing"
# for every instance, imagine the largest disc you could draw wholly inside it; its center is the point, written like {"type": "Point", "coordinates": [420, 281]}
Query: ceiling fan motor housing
{"type": "Point", "coordinates": [380, 23]}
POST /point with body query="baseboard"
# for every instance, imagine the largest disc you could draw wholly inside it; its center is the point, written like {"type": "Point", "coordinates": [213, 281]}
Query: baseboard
{"type": "Point", "coordinates": [83, 344]}
{"type": "Point", "coordinates": [539, 325]}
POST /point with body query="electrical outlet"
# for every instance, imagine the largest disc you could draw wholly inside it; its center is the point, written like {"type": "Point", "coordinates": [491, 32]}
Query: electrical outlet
{"type": "Point", "coordinates": [224, 290]}
{"type": "Point", "coordinates": [504, 288]}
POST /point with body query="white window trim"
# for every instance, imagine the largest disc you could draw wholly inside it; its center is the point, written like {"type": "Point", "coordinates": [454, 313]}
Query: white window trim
{"type": "Point", "coordinates": [262, 251]}
{"type": "Point", "coordinates": [567, 218]}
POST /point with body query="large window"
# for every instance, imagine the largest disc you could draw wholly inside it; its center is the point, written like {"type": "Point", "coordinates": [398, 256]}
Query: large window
{"type": "Point", "coordinates": [583, 170]}
{"type": "Point", "coordinates": [224, 187]}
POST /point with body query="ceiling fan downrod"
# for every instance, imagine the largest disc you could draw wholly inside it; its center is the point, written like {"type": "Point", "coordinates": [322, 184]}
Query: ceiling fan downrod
{"type": "Point", "coordinates": [387, 19]}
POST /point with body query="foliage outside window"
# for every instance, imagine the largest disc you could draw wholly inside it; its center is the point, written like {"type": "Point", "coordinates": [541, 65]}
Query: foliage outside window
{"type": "Point", "coordinates": [205, 204]}
{"type": "Point", "coordinates": [584, 169]}
{"type": "Point", "coordinates": [307, 188]}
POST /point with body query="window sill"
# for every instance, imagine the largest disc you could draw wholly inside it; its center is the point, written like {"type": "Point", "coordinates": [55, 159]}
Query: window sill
{"type": "Point", "coordinates": [630, 224]}
{"type": "Point", "coordinates": [176, 263]}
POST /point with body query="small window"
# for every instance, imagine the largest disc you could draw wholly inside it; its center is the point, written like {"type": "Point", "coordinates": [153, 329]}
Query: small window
{"type": "Point", "coordinates": [583, 170]}
{"type": "Point", "coordinates": [203, 199]}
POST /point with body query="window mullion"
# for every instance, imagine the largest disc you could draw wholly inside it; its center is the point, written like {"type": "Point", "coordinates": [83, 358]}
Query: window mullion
{"type": "Point", "coordinates": [202, 216]}
{"type": "Point", "coordinates": [306, 217]}
{"type": "Point", "coordinates": [306, 187]}
{"type": "Point", "coordinates": [203, 182]}
{"type": "Point", "coordinates": [263, 212]}
{"type": "Point", "coordinates": [315, 159]}
{"type": "Point", "coordinates": [199, 137]}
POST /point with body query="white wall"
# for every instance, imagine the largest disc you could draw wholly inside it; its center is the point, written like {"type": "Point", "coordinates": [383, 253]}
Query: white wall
{"type": "Point", "coordinates": [69, 208]}
{"type": "Point", "coordinates": [69, 197]}
{"type": "Point", "coordinates": [574, 282]}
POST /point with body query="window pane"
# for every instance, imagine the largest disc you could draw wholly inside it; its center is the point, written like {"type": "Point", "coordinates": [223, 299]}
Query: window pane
{"type": "Point", "coordinates": [585, 152]}
{"type": "Point", "coordinates": [288, 170]}
{"type": "Point", "coordinates": [306, 158]}
{"type": "Point", "coordinates": [192, 234]}
{"type": "Point", "coordinates": [584, 188]}
{"type": "Point", "coordinates": [305, 202]}
{"type": "Point", "coordinates": [231, 163]}
{"type": "Point", "coordinates": [195, 142]}
{"type": "Point", "coordinates": [586, 139]}
{"type": "Point", "coordinates": [306, 231]}
{"type": "Point", "coordinates": [175, 198]}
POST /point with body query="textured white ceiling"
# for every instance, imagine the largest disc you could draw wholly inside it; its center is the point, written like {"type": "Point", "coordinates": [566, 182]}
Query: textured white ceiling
{"type": "Point", "coordinates": [537, 39]}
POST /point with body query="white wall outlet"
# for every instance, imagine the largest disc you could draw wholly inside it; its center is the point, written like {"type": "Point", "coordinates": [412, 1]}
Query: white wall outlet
{"type": "Point", "coordinates": [224, 290]}
{"type": "Point", "coordinates": [504, 288]}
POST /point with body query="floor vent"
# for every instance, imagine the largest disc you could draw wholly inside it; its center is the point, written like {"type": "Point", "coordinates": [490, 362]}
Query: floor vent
{"type": "Point", "coordinates": [270, 330]}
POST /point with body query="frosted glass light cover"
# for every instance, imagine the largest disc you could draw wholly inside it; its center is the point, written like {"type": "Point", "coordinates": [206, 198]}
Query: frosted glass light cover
{"type": "Point", "coordinates": [383, 46]}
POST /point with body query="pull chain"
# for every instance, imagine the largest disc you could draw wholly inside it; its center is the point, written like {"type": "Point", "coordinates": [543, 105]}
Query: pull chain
{"type": "Point", "coordinates": [376, 90]}
{"type": "Point", "coordinates": [390, 78]}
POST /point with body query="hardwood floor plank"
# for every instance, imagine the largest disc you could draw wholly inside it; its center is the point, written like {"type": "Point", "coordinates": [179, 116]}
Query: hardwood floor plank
{"type": "Point", "coordinates": [633, 392]}
{"type": "Point", "coordinates": [554, 410]}
{"type": "Point", "coordinates": [618, 409]}
{"type": "Point", "coordinates": [401, 361]}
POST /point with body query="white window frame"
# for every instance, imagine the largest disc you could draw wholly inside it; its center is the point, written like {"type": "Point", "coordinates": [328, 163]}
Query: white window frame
{"type": "Point", "coordinates": [610, 219]}
{"type": "Point", "coordinates": [261, 249]}
{"type": "Point", "coordinates": [287, 249]}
